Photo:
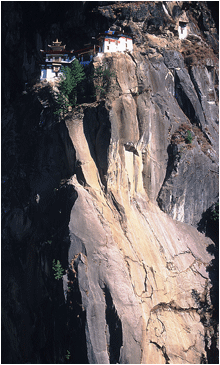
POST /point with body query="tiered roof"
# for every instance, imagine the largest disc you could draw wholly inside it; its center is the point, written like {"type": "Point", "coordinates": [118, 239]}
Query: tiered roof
{"type": "Point", "coordinates": [56, 48]}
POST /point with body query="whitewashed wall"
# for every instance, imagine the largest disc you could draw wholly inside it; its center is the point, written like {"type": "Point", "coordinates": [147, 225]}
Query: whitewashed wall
{"type": "Point", "coordinates": [183, 32]}
{"type": "Point", "coordinates": [43, 74]}
{"type": "Point", "coordinates": [126, 44]}
{"type": "Point", "coordinates": [120, 45]}
{"type": "Point", "coordinates": [49, 74]}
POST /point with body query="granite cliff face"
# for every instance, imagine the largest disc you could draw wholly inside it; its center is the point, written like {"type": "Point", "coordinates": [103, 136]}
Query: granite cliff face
{"type": "Point", "coordinates": [117, 191]}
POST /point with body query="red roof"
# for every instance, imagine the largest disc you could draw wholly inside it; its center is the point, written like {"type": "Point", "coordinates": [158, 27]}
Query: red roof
{"type": "Point", "coordinates": [116, 34]}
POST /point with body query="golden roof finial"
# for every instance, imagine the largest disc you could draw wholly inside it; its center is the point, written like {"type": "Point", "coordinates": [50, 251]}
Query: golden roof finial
{"type": "Point", "coordinates": [57, 43]}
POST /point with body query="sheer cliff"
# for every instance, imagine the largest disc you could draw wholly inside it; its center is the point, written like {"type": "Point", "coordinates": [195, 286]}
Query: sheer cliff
{"type": "Point", "coordinates": [121, 194]}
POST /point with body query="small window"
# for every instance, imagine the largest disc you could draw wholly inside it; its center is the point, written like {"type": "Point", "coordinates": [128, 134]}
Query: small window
{"type": "Point", "coordinates": [109, 41]}
{"type": "Point", "coordinates": [116, 43]}
{"type": "Point", "coordinates": [107, 48]}
{"type": "Point", "coordinates": [182, 27]}
{"type": "Point", "coordinates": [126, 45]}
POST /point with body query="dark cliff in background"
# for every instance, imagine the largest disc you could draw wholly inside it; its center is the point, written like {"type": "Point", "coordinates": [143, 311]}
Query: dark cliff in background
{"type": "Point", "coordinates": [29, 27]}
{"type": "Point", "coordinates": [41, 323]}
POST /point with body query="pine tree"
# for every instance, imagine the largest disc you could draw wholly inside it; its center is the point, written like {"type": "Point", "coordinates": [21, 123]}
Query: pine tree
{"type": "Point", "coordinates": [70, 84]}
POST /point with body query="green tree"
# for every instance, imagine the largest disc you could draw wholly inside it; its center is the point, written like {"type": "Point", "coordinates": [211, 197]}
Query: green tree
{"type": "Point", "coordinates": [68, 355]}
{"type": "Point", "coordinates": [59, 271]}
{"type": "Point", "coordinates": [189, 137]}
{"type": "Point", "coordinates": [62, 103]}
{"type": "Point", "coordinates": [215, 212]}
{"type": "Point", "coordinates": [69, 86]}
{"type": "Point", "coordinates": [102, 79]}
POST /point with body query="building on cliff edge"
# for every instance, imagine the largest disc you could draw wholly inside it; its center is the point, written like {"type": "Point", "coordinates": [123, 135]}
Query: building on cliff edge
{"type": "Point", "coordinates": [183, 26]}
{"type": "Point", "coordinates": [110, 41]}
{"type": "Point", "coordinates": [85, 55]}
{"type": "Point", "coordinates": [114, 41]}
{"type": "Point", "coordinates": [57, 56]}
{"type": "Point", "coordinates": [54, 58]}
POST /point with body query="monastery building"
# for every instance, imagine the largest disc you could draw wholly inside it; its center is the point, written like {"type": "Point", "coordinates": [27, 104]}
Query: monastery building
{"type": "Point", "coordinates": [54, 58]}
{"type": "Point", "coordinates": [114, 41]}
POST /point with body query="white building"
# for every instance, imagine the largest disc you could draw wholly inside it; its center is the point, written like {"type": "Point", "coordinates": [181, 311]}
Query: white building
{"type": "Point", "coordinates": [183, 29]}
{"type": "Point", "coordinates": [54, 58]}
{"type": "Point", "coordinates": [114, 41]}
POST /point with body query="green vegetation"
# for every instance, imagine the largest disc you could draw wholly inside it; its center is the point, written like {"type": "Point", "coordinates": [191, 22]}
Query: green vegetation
{"type": "Point", "coordinates": [77, 85]}
{"type": "Point", "coordinates": [189, 137]}
{"type": "Point", "coordinates": [59, 271]}
{"type": "Point", "coordinates": [69, 86]}
{"type": "Point", "coordinates": [48, 242]}
{"type": "Point", "coordinates": [215, 212]}
{"type": "Point", "coordinates": [102, 77]}
{"type": "Point", "coordinates": [68, 355]}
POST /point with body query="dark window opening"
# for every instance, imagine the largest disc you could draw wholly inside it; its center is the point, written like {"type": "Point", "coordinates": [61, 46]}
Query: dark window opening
{"type": "Point", "coordinates": [182, 26]}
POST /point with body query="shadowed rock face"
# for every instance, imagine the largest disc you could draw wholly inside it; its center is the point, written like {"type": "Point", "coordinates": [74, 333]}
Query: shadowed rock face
{"type": "Point", "coordinates": [115, 191]}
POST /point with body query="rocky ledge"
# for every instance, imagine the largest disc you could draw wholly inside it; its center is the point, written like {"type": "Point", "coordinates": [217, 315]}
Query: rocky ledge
{"type": "Point", "coordinates": [112, 198]}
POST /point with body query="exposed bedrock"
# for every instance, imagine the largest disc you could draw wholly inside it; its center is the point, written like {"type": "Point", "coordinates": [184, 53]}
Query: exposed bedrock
{"type": "Point", "coordinates": [102, 261]}
{"type": "Point", "coordinates": [126, 238]}
{"type": "Point", "coordinates": [155, 111]}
